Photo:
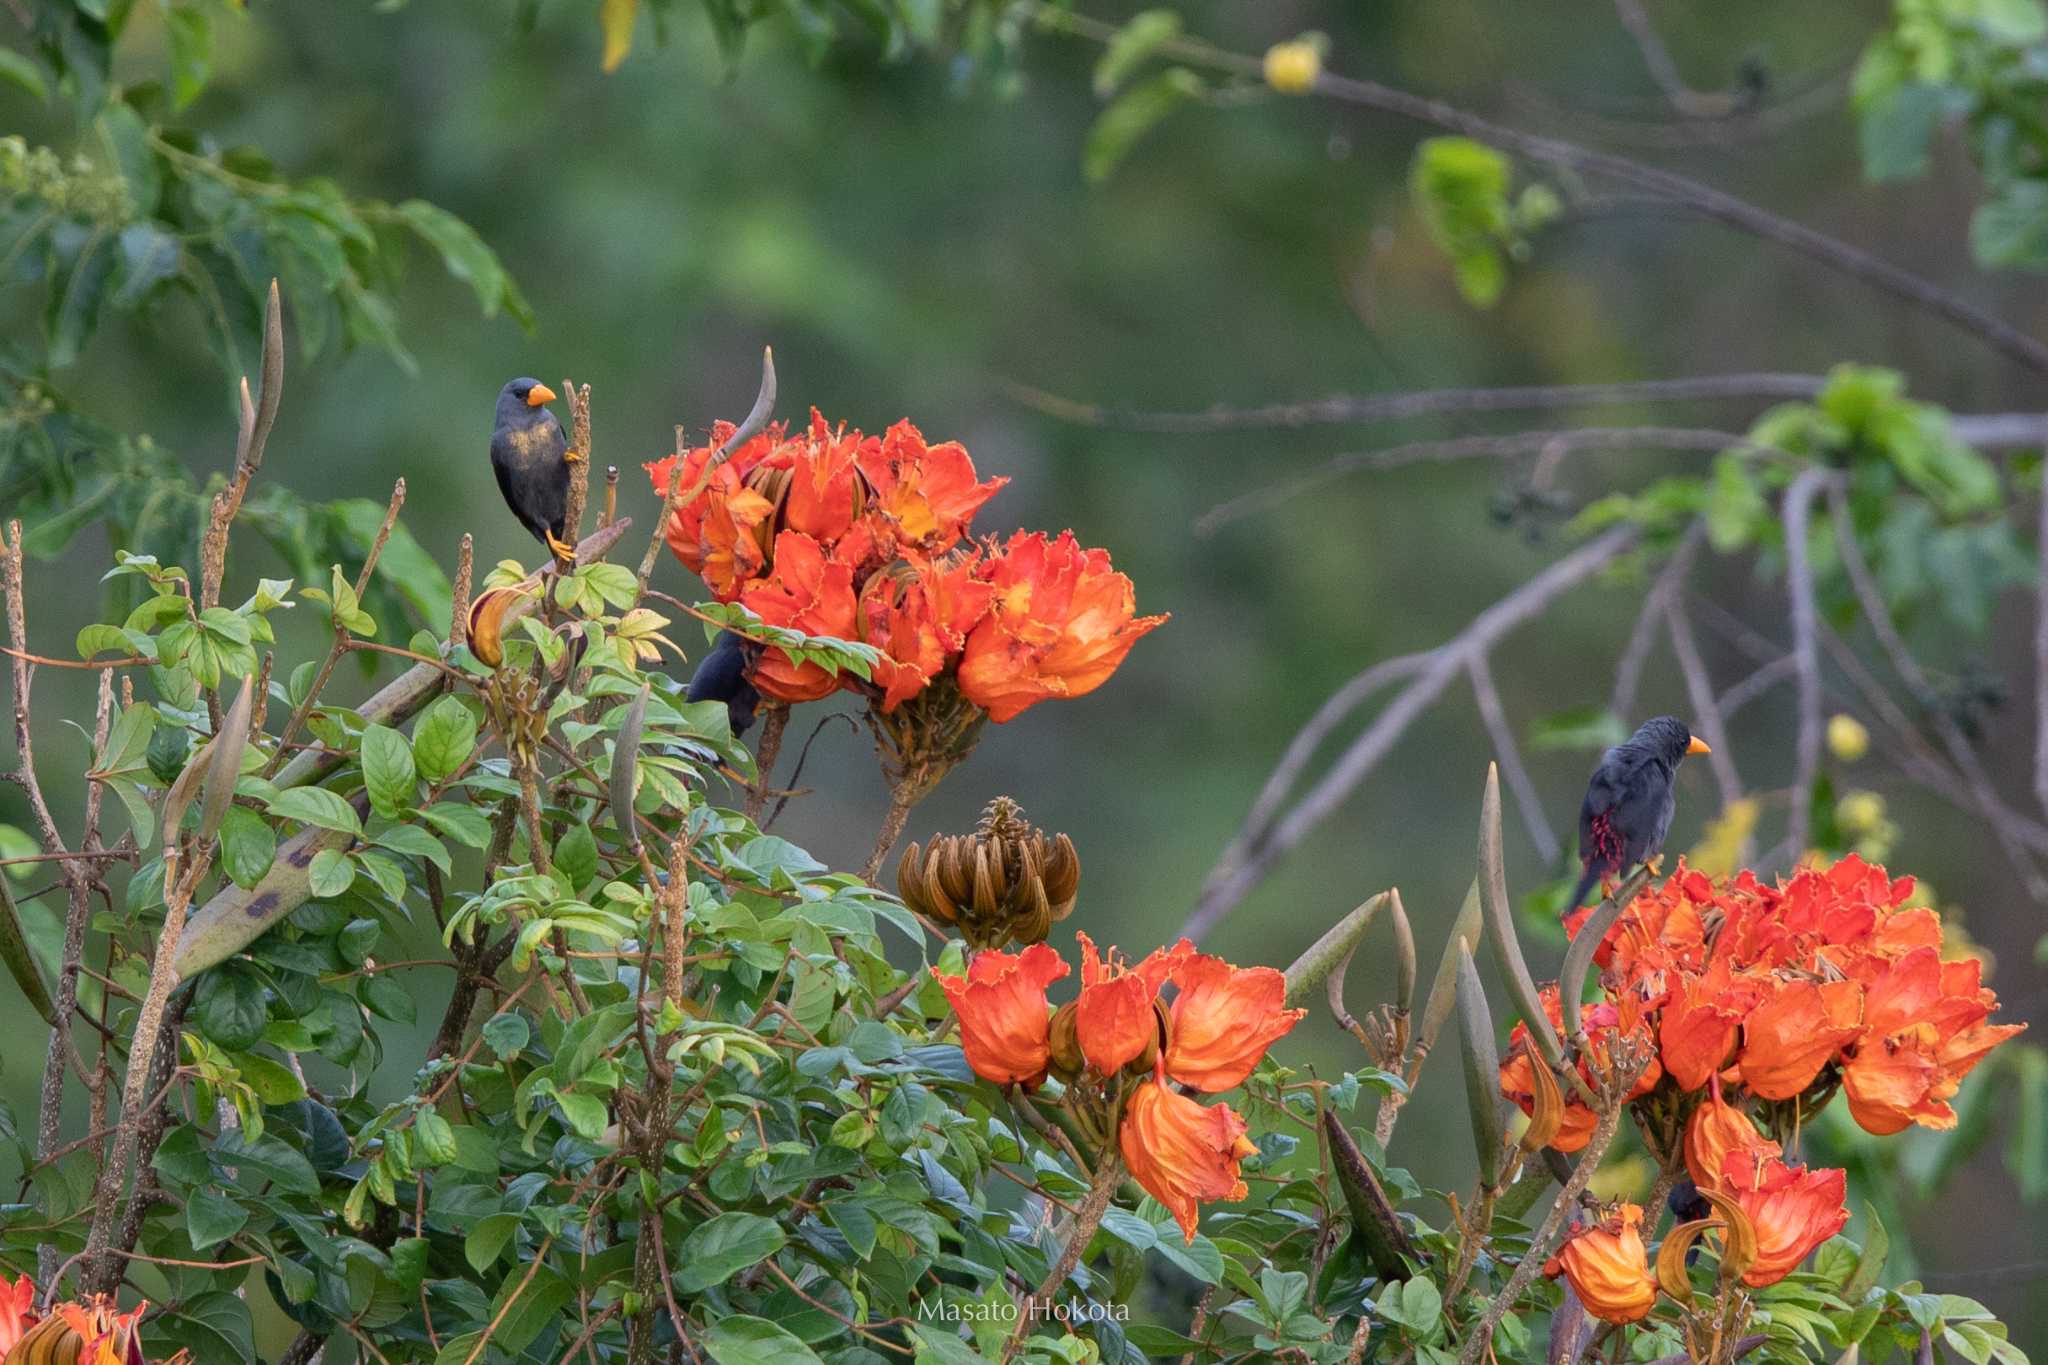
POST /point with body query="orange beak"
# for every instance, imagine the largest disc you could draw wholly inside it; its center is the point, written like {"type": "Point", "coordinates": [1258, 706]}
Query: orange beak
{"type": "Point", "coordinates": [539, 394]}
{"type": "Point", "coordinates": [1698, 746]}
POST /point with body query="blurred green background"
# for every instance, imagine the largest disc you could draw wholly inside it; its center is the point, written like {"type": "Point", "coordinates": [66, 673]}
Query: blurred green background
{"type": "Point", "coordinates": [910, 242]}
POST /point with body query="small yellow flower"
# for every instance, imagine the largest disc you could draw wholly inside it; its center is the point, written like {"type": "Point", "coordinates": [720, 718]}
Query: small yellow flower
{"type": "Point", "coordinates": [1847, 739]}
{"type": "Point", "coordinates": [1292, 67]}
{"type": "Point", "coordinates": [1859, 812]}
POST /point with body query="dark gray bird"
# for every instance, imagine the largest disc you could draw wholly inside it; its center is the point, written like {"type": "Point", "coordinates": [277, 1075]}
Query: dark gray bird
{"type": "Point", "coordinates": [531, 458]}
{"type": "Point", "coordinates": [1629, 801]}
{"type": "Point", "coordinates": [722, 676]}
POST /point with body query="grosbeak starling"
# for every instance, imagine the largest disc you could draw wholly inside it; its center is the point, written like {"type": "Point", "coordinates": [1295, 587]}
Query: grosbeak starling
{"type": "Point", "coordinates": [1629, 801]}
{"type": "Point", "coordinates": [531, 458]}
{"type": "Point", "coordinates": [722, 676]}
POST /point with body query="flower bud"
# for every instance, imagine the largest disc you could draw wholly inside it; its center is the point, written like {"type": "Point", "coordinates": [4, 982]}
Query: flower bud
{"type": "Point", "coordinates": [1292, 67]}
{"type": "Point", "coordinates": [1067, 1060]}
{"type": "Point", "coordinates": [1004, 883]}
{"type": "Point", "coordinates": [1847, 739]}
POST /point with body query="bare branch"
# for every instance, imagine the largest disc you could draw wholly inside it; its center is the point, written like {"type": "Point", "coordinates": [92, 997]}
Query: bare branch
{"type": "Point", "coordinates": [2041, 666]}
{"type": "Point", "coordinates": [1509, 755]}
{"type": "Point", "coordinates": [1349, 409]}
{"type": "Point", "coordinates": [1763, 679]}
{"type": "Point", "coordinates": [1805, 626]}
{"type": "Point", "coordinates": [1878, 614]}
{"type": "Point", "coordinates": [1692, 103]}
{"type": "Point", "coordinates": [1258, 845]}
{"type": "Point", "coordinates": [1628, 670]}
{"type": "Point", "coordinates": [1505, 445]}
{"type": "Point", "coordinates": [252, 438]}
{"type": "Point", "coordinates": [1707, 720]}
{"type": "Point", "coordinates": [579, 445]}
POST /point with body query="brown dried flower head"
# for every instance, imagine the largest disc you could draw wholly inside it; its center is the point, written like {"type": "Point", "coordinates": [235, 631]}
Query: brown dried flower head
{"type": "Point", "coordinates": [1004, 883]}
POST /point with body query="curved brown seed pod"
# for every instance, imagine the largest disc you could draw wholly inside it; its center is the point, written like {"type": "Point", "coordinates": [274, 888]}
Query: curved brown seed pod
{"type": "Point", "coordinates": [1549, 1108]}
{"type": "Point", "coordinates": [1738, 1249]}
{"type": "Point", "coordinates": [987, 895]}
{"type": "Point", "coordinates": [1671, 1274]}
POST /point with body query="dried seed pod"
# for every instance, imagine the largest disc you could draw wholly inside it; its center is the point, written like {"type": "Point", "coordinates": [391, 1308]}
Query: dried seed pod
{"type": "Point", "coordinates": [1678, 1243]}
{"type": "Point", "coordinates": [1548, 1106]}
{"type": "Point", "coordinates": [1004, 883]}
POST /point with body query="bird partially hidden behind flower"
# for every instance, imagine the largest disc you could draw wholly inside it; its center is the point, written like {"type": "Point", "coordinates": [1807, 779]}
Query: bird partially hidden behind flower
{"type": "Point", "coordinates": [1630, 799]}
{"type": "Point", "coordinates": [531, 458]}
{"type": "Point", "coordinates": [722, 676]}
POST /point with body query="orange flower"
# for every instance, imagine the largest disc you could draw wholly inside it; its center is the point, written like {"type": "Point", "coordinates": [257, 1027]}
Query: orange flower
{"type": "Point", "coordinates": [1223, 1020]}
{"type": "Point", "coordinates": [1061, 623]}
{"type": "Point", "coordinates": [1182, 1153]}
{"type": "Point", "coordinates": [1793, 1208]}
{"type": "Point", "coordinates": [1114, 1018]}
{"type": "Point", "coordinates": [721, 534]}
{"type": "Point", "coordinates": [924, 494]}
{"type": "Point", "coordinates": [1602, 1022]}
{"type": "Point", "coordinates": [1608, 1266]}
{"type": "Point", "coordinates": [1716, 1130]}
{"type": "Point", "coordinates": [1004, 1017]}
{"type": "Point", "coordinates": [1795, 1032]}
{"type": "Point", "coordinates": [809, 591]}
{"type": "Point", "coordinates": [826, 494]}
{"type": "Point", "coordinates": [1925, 1028]}
{"type": "Point", "coordinates": [918, 614]}
{"type": "Point", "coordinates": [17, 1310]}
{"type": "Point", "coordinates": [1699, 1023]}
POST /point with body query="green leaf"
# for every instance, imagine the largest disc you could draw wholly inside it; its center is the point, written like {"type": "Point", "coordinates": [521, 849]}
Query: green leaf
{"type": "Point", "coordinates": [388, 1000]}
{"type": "Point", "coordinates": [1896, 126]}
{"type": "Point", "coordinates": [721, 1248]}
{"type": "Point", "coordinates": [1460, 189]}
{"type": "Point", "coordinates": [507, 1034]}
{"type": "Point", "coordinates": [248, 846]}
{"type": "Point", "coordinates": [463, 823]}
{"type": "Point", "coordinates": [2010, 230]}
{"type": "Point", "coordinates": [273, 1082]}
{"type": "Point", "coordinates": [464, 253]}
{"type": "Point", "coordinates": [1876, 1246]}
{"type": "Point", "coordinates": [23, 74]}
{"type": "Point", "coordinates": [414, 842]}
{"type": "Point", "coordinates": [214, 1326]}
{"type": "Point", "coordinates": [189, 32]}
{"type": "Point", "coordinates": [317, 806]}
{"type": "Point", "coordinates": [576, 855]}
{"type": "Point", "coordinates": [211, 1217]}
{"type": "Point", "coordinates": [265, 1159]}
{"type": "Point", "coordinates": [741, 1340]}
{"type": "Point", "coordinates": [1128, 48]}
{"type": "Point", "coordinates": [487, 1240]}
{"type": "Point", "coordinates": [444, 739]}
{"type": "Point", "coordinates": [229, 1006]}
{"type": "Point", "coordinates": [586, 1114]}
{"type": "Point", "coordinates": [527, 1307]}
{"type": "Point", "coordinates": [330, 873]}
{"type": "Point", "coordinates": [1133, 114]}
{"type": "Point", "coordinates": [388, 770]}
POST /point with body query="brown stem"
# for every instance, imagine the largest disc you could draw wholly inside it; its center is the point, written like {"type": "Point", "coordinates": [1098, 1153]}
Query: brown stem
{"type": "Point", "coordinates": [1108, 1175]}
{"type": "Point", "coordinates": [903, 797]}
{"type": "Point", "coordinates": [1540, 1245]}
{"type": "Point", "coordinates": [579, 470]}
{"type": "Point", "coordinates": [772, 727]}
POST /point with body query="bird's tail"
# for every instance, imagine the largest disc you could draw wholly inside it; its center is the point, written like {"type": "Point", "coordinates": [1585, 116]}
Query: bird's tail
{"type": "Point", "coordinates": [1586, 880]}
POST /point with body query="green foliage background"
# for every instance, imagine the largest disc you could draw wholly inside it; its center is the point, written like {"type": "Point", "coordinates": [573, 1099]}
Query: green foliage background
{"type": "Point", "coordinates": [910, 231]}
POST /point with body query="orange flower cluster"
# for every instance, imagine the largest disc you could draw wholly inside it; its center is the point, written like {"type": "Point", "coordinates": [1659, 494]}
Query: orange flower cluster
{"type": "Point", "coordinates": [1604, 1023]}
{"type": "Point", "coordinates": [1223, 1020]}
{"type": "Point", "coordinates": [861, 537]}
{"type": "Point", "coordinates": [89, 1332]}
{"type": "Point", "coordinates": [1787, 990]}
{"type": "Point", "coordinates": [1608, 1266]}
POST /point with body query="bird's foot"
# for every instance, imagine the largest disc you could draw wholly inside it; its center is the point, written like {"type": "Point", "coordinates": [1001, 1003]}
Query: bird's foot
{"type": "Point", "coordinates": [1656, 864]}
{"type": "Point", "coordinates": [572, 457]}
{"type": "Point", "coordinates": [562, 550]}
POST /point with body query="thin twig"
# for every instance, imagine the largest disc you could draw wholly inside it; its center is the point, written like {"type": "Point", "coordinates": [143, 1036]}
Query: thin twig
{"type": "Point", "coordinates": [1259, 844]}
{"type": "Point", "coordinates": [1702, 199]}
{"type": "Point", "coordinates": [1356, 409]}
{"type": "Point", "coordinates": [1878, 614]}
{"type": "Point", "coordinates": [1510, 756]}
{"type": "Point", "coordinates": [1289, 492]}
{"type": "Point", "coordinates": [1707, 721]}
{"type": "Point", "coordinates": [1692, 103]}
{"type": "Point", "coordinates": [1805, 634]}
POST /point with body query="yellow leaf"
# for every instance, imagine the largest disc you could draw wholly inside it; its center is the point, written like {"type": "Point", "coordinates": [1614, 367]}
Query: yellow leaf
{"type": "Point", "coordinates": [616, 17]}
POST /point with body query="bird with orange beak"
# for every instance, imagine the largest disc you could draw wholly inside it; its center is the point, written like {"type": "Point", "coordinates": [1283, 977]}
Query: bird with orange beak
{"type": "Point", "coordinates": [1630, 799]}
{"type": "Point", "coordinates": [531, 458]}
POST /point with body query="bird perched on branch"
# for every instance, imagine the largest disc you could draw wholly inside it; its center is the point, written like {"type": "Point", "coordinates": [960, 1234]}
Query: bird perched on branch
{"type": "Point", "coordinates": [722, 676]}
{"type": "Point", "coordinates": [531, 458]}
{"type": "Point", "coordinates": [1629, 801]}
